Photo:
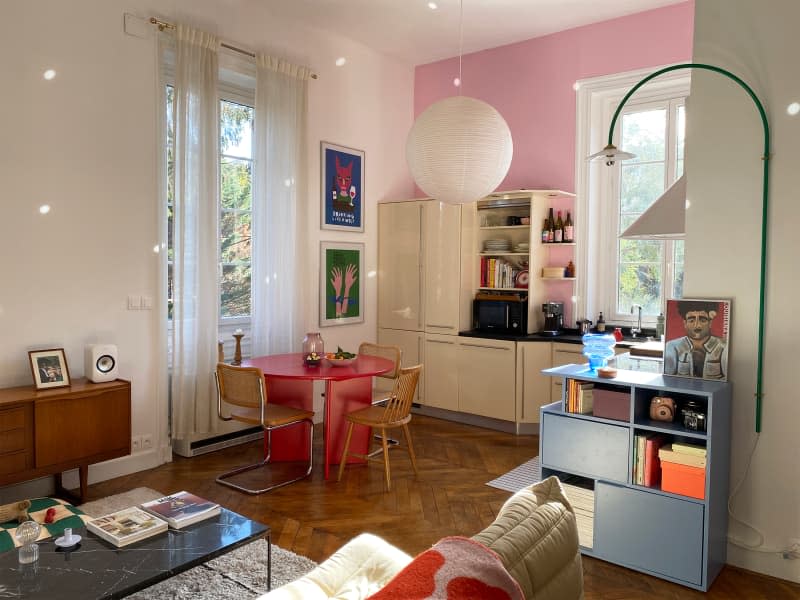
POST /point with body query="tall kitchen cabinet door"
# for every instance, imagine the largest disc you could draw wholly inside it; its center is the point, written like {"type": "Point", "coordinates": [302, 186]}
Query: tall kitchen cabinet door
{"type": "Point", "coordinates": [400, 269]}
{"type": "Point", "coordinates": [441, 372]}
{"type": "Point", "coordinates": [411, 344]}
{"type": "Point", "coordinates": [441, 234]}
{"type": "Point", "coordinates": [533, 387]}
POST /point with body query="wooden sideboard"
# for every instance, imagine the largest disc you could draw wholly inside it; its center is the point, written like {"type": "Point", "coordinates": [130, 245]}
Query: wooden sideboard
{"type": "Point", "coordinates": [47, 432]}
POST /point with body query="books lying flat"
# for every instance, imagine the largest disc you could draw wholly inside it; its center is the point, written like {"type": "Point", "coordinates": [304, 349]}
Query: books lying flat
{"type": "Point", "coordinates": [667, 454]}
{"type": "Point", "coordinates": [182, 509]}
{"type": "Point", "coordinates": [689, 449]}
{"type": "Point", "coordinates": [126, 526]}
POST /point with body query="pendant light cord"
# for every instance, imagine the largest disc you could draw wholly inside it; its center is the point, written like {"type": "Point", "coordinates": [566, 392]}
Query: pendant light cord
{"type": "Point", "coordinates": [460, 42]}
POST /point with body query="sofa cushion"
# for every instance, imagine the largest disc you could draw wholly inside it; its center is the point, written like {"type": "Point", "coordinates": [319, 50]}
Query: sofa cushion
{"type": "Point", "coordinates": [536, 536]}
{"type": "Point", "coordinates": [455, 568]}
{"type": "Point", "coordinates": [359, 568]}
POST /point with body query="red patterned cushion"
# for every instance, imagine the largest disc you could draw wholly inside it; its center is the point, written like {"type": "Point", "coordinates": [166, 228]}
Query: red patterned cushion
{"type": "Point", "coordinates": [455, 568]}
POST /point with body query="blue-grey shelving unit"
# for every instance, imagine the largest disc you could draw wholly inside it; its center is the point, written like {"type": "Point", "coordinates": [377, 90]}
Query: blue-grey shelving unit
{"type": "Point", "coordinates": [671, 536]}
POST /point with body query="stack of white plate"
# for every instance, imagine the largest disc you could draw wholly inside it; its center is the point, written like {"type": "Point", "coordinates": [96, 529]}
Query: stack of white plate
{"type": "Point", "coordinates": [521, 247]}
{"type": "Point", "coordinates": [498, 245]}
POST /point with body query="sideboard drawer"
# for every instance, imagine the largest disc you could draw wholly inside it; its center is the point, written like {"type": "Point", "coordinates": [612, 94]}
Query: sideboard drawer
{"type": "Point", "coordinates": [588, 448]}
{"type": "Point", "coordinates": [14, 463]}
{"type": "Point", "coordinates": [13, 418]}
{"type": "Point", "coordinates": [12, 441]}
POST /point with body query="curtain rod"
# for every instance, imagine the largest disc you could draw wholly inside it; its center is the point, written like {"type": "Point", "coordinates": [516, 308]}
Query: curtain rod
{"type": "Point", "coordinates": [162, 25]}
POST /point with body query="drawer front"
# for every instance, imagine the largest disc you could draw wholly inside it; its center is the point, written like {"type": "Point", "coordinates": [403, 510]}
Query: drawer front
{"type": "Point", "coordinates": [12, 441]}
{"type": "Point", "coordinates": [649, 531]}
{"type": "Point", "coordinates": [14, 463]}
{"type": "Point", "coordinates": [596, 450]}
{"type": "Point", "coordinates": [13, 418]}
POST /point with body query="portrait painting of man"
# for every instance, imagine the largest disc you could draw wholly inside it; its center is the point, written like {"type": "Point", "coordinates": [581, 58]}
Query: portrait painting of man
{"type": "Point", "coordinates": [697, 338]}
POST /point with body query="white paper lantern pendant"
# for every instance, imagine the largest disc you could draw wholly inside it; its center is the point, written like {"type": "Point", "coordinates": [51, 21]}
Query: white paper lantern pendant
{"type": "Point", "coordinates": [459, 149]}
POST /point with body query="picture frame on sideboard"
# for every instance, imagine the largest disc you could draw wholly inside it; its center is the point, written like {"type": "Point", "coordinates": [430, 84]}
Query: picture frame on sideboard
{"type": "Point", "coordinates": [49, 368]}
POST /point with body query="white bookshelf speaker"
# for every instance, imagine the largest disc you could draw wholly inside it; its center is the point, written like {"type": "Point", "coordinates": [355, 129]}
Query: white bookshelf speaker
{"type": "Point", "coordinates": [101, 363]}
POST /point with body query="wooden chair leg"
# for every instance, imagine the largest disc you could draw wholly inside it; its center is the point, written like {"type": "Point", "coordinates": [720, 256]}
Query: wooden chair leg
{"type": "Point", "coordinates": [410, 448]}
{"type": "Point", "coordinates": [343, 459]}
{"type": "Point", "coordinates": [386, 460]}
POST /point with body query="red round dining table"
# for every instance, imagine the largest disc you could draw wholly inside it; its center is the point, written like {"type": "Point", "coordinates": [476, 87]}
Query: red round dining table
{"type": "Point", "coordinates": [347, 388]}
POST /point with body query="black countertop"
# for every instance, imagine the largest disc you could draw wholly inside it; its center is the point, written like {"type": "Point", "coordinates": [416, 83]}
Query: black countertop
{"type": "Point", "coordinates": [567, 336]}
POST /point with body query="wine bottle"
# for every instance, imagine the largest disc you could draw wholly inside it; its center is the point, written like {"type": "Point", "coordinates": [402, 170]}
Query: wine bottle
{"type": "Point", "coordinates": [559, 229]}
{"type": "Point", "coordinates": [601, 323]}
{"type": "Point", "coordinates": [551, 223]}
{"type": "Point", "coordinates": [569, 231]}
{"type": "Point", "coordinates": [545, 231]}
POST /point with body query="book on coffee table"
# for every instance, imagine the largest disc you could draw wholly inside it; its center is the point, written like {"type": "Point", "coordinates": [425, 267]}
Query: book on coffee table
{"type": "Point", "coordinates": [182, 509]}
{"type": "Point", "coordinates": [127, 526]}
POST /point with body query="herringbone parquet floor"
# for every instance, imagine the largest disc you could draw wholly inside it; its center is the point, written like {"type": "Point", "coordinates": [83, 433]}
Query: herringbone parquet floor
{"type": "Point", "coordinates": [314, 517]}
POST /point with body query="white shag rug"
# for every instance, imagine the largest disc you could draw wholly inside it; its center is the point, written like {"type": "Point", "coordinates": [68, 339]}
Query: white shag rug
{"type": "Point", "coordinates": [522, 476]}
{"type": "Point", "coordinates": [232, 575]}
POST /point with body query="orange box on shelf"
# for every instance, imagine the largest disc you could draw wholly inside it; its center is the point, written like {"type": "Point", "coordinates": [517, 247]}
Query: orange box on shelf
{"type": "Point", "coordinates": [683, 479]}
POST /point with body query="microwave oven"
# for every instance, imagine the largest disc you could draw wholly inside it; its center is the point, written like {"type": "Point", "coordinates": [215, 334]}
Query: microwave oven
{"type": "Point", "coordinates": [501, 315]}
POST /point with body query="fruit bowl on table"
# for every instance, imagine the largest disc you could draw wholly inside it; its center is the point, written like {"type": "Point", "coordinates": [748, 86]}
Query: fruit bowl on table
{"type": "Point", "coordinates": [312, 360]}
{"type": "Point", "coordinates": [340, 362]}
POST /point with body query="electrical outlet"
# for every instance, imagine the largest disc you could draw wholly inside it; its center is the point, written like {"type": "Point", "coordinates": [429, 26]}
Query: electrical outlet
{"type": "Point", "coordinates": [136, 443]}
{"type": "Point", "coordinates": [147, 441]}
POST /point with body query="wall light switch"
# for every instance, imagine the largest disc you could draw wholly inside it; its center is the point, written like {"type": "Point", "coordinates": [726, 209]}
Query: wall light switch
{"type": "Point", "coordinates": [134, 302]}
{"type": "Point", "coordinates": [147, 303]}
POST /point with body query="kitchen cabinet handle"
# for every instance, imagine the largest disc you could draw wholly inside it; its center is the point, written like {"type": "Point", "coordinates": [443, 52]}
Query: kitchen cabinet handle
{"type": "Point", "coordinates": [569, 352]}
{"type": "Point", "coordinates": [523, 384]}
{"type": "Point", "coordinates": [420, 258]}
{"type": "Point", "coordinates": [439, 326]}
{"type": "Point", "coordinates": [487, 347]}
{"type": "Point", "coordinates": [439, 342]}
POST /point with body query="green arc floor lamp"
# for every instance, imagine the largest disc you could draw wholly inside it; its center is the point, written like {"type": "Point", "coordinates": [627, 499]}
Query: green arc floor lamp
{"type": "Point", "coordinates": [611, 154]}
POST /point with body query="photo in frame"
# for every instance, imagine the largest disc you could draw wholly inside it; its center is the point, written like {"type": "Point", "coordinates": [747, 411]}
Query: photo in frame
{"type": "Point", "coordinates": [696, 338]}
{"type": "Point", "coordinates": [342, 187]}
{"type": "Point", "coordinates": [340, 284]}
{"type": "Point", "coordinates": [49, 368]}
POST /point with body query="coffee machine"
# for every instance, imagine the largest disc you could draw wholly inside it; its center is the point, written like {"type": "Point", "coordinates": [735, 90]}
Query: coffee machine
{"type": "Point", "coordinates": [553, 317]}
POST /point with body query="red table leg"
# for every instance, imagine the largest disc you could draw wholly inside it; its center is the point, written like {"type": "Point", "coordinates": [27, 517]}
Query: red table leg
{"type": "Point", "coordinates": [291, 443]}
{"type": "Point", "coordinates": [342, 397]}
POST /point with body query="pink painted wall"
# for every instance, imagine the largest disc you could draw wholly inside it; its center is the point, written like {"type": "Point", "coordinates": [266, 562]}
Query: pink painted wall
{"type": "Point", "coordinates": [531, 84]}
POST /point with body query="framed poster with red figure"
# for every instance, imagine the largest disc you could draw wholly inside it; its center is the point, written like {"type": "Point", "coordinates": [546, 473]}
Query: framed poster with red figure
{"type": "Point", "coordinates": [342, 187]}
{"type": "Point", "coordinates": [696, 338]}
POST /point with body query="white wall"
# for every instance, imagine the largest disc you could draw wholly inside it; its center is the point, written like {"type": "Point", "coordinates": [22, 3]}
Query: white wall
{"type": "Point", "coordinates": [758, 42]}
{"type": "Point", "coordinates": [85, 143]}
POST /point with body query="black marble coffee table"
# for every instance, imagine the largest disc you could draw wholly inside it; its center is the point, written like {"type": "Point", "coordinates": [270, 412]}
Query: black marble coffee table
{"type": "Point", "coordinates": [99, 570]}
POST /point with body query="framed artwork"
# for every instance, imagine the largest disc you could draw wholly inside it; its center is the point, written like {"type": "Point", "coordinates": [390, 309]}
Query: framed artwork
{"type": "Point", "coordinates": [696, 338]}
{"type": "Point", "coordinates": [340, 284]}
{"type": "Point", "coordinates": [49, 368]}
{"type": "Point", "coordinates": [342, 187]}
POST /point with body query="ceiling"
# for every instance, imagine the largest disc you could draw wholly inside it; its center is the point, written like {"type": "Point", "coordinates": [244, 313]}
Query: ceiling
{"type": "Point", "coordinates": [413, 33]}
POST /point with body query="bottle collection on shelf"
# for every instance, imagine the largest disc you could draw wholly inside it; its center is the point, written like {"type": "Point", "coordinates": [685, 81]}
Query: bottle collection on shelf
{"type": "Point", "coordinates": [557, 230]}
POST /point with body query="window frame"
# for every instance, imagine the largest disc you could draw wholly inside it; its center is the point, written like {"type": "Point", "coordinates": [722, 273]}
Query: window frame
{"type": "Point", "coordinates": [597, 99]}
{"type": "Point", "coordinates": [608, 285]}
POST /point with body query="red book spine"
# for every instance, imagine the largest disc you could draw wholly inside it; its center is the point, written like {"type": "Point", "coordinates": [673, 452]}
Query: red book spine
{"type": "Point", "coordinates": [652, 464]}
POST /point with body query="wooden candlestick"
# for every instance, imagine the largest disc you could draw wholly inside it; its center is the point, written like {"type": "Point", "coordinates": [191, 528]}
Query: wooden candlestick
{"type": "Point", "coordinates": [237, 353]}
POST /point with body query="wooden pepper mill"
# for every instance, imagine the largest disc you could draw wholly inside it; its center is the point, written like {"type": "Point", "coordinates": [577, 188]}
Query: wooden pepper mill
{"type": "Point", "coordinates": [237, 353]}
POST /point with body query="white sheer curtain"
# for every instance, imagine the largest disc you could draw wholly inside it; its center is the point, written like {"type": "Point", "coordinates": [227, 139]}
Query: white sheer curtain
{"type": "Point", "coordinates": [196, 295]}
{"type": "Point", "coordinates": [280, 259]}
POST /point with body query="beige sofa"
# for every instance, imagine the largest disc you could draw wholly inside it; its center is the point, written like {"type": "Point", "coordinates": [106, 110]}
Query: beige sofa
{"type": "Point", "coordinates": [534, 534]}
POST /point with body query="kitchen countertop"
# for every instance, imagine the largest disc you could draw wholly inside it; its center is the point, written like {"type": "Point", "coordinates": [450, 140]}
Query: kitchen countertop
{"type": "Point", "coordinates": [568, 336]}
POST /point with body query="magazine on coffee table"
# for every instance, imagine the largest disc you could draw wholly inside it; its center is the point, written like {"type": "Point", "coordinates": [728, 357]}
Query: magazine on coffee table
{"type": "Point", "coordinates": [182, 509]}
{"type": "Point", "coordinates": [127, 526]}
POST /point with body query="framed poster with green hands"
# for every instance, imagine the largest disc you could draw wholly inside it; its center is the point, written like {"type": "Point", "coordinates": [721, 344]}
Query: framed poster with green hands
{"type": "Point", "coordinates": [340, 284]}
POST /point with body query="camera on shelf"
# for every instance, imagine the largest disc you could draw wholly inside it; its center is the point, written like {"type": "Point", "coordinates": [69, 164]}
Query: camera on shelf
{"type": "Point", "coordinates": [693, 416]}
{"type": "Point", "coordinates": [662, 408]}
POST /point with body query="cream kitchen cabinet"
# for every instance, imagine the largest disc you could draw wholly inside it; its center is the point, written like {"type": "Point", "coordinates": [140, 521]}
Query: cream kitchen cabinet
{"type": "Point", "coordinates": [564, 354]}
{"type": "Point", "coordinates": [487, 377]}
{"type": "Point", "coordinates": [533, 387]}
{"type": "Point", "coordinates": [441, 389]}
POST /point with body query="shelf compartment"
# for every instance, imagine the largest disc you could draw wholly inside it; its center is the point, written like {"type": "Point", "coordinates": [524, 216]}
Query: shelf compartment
{"type": "Point", "coordinates": [504, 227]}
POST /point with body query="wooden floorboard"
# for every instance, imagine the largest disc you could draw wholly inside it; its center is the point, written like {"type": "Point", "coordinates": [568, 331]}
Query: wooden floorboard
{"type": "Point", "coordinates": [314, 517]}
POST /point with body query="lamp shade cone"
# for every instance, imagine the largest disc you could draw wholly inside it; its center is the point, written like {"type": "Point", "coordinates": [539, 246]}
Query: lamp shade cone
{"type": "Point", "coordinates": [666, 217]}
{"type": "Point", "coordinates": [459, 150]}
{"type": "Point", "coordinates": [611, 154]}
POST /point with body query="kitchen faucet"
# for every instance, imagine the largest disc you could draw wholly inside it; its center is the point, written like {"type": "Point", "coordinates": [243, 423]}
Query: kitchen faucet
{"type": "Point", "coordinates": [638, 329]}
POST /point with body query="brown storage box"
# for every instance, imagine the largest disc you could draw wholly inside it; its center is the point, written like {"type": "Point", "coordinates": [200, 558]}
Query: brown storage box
{"type": "Point", "coordinates": [609, 404]}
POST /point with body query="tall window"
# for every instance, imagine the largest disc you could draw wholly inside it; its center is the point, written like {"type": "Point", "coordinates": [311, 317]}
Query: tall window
{"type": "Point", "coordinates": [647, 271]}
{"type": "Point", "coordinates": [235, 204]}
